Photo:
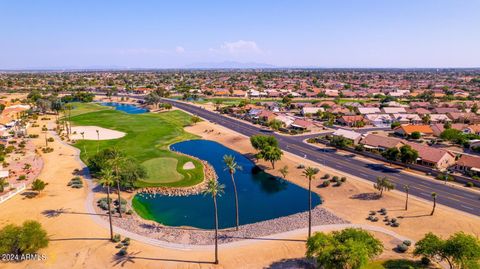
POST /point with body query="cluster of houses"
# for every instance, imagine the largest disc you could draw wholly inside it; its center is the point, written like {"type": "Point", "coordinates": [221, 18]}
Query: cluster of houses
{"type": "Point", "coordinates": [9, 117]}
{"type": "Point", "coordinates": [436, 158]}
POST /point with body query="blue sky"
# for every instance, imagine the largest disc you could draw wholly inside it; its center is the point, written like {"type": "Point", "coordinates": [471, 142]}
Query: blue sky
{"type": "Point", "coordinates": [161, 34]}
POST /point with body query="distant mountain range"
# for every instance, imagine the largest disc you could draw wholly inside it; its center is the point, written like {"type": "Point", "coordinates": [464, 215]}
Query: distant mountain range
{"type": "Point", "coordinates": [228, 65]}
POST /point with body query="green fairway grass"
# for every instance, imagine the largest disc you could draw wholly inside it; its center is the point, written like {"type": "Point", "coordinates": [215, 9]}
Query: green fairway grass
{"type": "Point", "coordinates": [147, 138]}
{"type": "Point", "coordinates": [160, 170]}
{"type": "Point", "coordinates": [82, 108]}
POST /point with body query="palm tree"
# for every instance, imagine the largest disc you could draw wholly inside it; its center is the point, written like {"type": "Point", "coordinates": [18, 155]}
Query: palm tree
{"type": "Point", "coordinates": [383, 184]}
{"type": "Point", "coordinates": [232, 166]}
{"type": "Point", "coordinates": [107, 179]}
{"type": "Point", "coordinates": [215, 189]}
{"type": "Point", "coordinates": [434, 196]}
{"type": "Point", "coordinates": [406, 188]}
{"type": "Point", "coordinates": [3, 183]}
{"type": "Point", "coordinates": [116, 161]}
{"type": "Point", "coordinates": [310, 173]}
{"type": "Point", "coordinates": [83, 138]}
{"type": "Point", "coordinates": [284, 171]}
{"type": "Point", "coordinates": [98, 139]}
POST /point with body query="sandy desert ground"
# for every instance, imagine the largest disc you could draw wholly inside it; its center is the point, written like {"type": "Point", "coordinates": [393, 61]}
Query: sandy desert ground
{"type": "Point", "coordinates": [79, 242]}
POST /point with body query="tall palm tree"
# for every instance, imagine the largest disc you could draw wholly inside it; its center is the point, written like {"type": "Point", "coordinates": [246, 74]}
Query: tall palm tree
{"type": "Point", "coordinates": [434, 196]}
{"type": "Point", "coordinates": [214, 189]}
{"type": "Point", "coordinates": [383, 184]}
{"type": "Point", "coordinates": [107, 179]}
{"type": "Point", "coordinates": [116, 161]}
{"type": "Point", "coordinates": [83, 138]}
{"type": "Point", "coordinates": [98, 140]}
{"type": "Point", "coordinates": [310, 173]}
{"type": "Point", "coordinates": [406, 188]}
{"type": "Point", "coordinates": [232, 166]}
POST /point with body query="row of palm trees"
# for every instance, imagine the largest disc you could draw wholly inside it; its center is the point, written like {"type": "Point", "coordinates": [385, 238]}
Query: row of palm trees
{"type": "Point", "coordinates": [384, 184]}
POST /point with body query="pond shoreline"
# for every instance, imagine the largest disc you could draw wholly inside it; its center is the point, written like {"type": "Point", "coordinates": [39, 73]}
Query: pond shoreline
{"type": "Point", "coordinates": [195, 236]}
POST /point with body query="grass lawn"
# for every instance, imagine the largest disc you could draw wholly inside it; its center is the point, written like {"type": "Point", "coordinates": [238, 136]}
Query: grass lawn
{"type": "Point", "coordinates": [147, 139]}
{"type": "Point", "coordinates": [395, 264]}
{"type": "Point", "coordinates": [82, 108]}
{"type": "Point", "coordinates": [160, 170]}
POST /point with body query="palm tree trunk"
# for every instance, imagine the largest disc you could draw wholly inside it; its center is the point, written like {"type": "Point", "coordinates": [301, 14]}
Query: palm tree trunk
{"type": "Point", "coordinates": [216, 229]}
{"type": "Point", "coordinates": [236, 200]}
{"type": "Point", "coordinates": [406, 202]}
{"type": "Point", "coordinates": [118, 189]}
{"type": "Point", "coordinates": [109, 213]}
{"type": "Point", "coordinates": [309, 207]}
{"type": "Point", "coordinates": [434, 205]}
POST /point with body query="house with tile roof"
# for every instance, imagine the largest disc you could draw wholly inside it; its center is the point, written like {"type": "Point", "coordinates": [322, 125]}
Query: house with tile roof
{"type": "Point", "coordinates": [406, 130]}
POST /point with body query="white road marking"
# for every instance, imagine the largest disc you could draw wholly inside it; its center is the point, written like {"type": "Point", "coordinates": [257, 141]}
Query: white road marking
{"type": "Point", "coordinates": [467, 207]}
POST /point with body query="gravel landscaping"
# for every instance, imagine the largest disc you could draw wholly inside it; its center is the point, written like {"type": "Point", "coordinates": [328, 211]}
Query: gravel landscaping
{"type": "Point", "coordinates": [193, 236]}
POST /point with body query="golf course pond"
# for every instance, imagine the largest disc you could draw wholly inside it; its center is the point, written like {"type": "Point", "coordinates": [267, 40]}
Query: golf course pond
{"type": "Point", "coordinates": [127, 108]}
{"type": "Point", "coordinates": [261, 196]}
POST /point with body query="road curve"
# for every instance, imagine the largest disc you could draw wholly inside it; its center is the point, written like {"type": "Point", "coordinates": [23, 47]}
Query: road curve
{"type": "Point", "coordinates": [454, 197]}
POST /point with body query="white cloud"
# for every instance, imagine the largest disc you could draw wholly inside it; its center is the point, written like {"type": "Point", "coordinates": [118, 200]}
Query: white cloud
{"type": "Point", "coordinates": [239, 47]}
{"type": "Point", "coordinates": [179, 49]}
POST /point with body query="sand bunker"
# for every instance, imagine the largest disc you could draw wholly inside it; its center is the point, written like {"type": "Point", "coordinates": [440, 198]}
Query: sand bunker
{"type": "Point", "coordinates": [188, 166]}
{"type": "Point", "coordinates": [90, 133]}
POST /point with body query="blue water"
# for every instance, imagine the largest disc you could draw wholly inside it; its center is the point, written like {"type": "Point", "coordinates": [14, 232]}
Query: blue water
{"type": "Point", "coordinates": [128, 108]}
{"type": "Point", "coordinates": [261, 196]}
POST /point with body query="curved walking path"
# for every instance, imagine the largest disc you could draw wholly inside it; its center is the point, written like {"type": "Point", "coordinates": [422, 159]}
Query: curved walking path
{"type": "Point", "coordinates": [89, 205]}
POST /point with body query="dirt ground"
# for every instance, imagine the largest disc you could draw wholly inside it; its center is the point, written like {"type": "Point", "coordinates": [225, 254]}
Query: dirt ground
{"type": "Point", "coordinates": [79, 242]}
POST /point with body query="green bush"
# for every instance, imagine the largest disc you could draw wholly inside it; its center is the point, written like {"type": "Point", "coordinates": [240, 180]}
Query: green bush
{"type": "Point", "coordinates": [343, 179]}
{"type": "Point", "coordinates": [116, 238]}
{"type": "Point", "coordinates": [407, 243]}
{"type": "Point", "coordinates": [335, 178]}
{"type": "Point", "coordinates": [326, 176]}
{"type": "Point", "coordinates": [326, 183]}
{"type": "Point", "coordinates": [25, 239]}
{"type": "Point", "coordinates": [469, 184]}
{"type": "Point", "coordinates": [402, 248]}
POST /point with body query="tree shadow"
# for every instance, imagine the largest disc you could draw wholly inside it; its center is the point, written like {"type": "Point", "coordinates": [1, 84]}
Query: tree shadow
{"type": "Point", "coordinates": [295, 263]}
{"type": "Point", "coordinates": [367, 196]}
{"type": "Point", "coordinates": [131, 257]}
{"type": "Point", "coordinates": [29, 194]}
{"type": "Point", "coordinates": [414, 216]}
{"type": "Point", "coordinates": [53, 213]}
{"type": "Point", "coordinates": [263, 239]}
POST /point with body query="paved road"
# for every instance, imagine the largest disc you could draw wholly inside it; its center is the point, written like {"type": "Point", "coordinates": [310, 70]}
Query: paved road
{"type": "Point", "coordinates": [454, 197]}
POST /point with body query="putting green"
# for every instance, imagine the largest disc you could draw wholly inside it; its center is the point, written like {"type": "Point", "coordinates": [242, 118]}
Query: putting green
{"type": "Point", "coordinates": [162, 170]}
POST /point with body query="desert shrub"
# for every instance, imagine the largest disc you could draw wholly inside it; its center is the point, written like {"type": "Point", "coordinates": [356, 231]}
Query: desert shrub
{"type": "Point", "coordinates": [402, 248]}
{"type": "Point", "coordinates": [38, 185]}
{"type": "Point", "coordinates": [326, 176]}
{"type": "Point", "coordinates": [116, 238]}
{"type": "Point", "coordinates": [129, 212]}
{"type": "Point", "coordinates": [50, 139]}
{"type": "Point", "coordinates": [407, 243]}
{"type": "Point", "coordinates": [25, 239]}
{"type": "Point", "coordinates": [301, 166]}
{"type": "Point", "coordinates": [325, 183]}
{"type": "Point", "coordinates": [22, 177]}
{"type": "Point", "coordinates": [343, 179]}
{"type": "Point", "coordinates": [425, 261]}
{"type": "Point", "coordinates": [469, 184]}
{"type": "Point", "coordinates": [122, 252]}
{"type": "Point", "coordinates": [335, 178]}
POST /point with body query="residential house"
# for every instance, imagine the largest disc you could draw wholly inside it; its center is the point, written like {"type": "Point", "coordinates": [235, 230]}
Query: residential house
{"type": "Point", "coordinates": [468, 163]}
{"type": "Point", "coordinates": [379, 120]}
{"type": "Point", "coordinates": [407, 130]}
{"type": "Point", "coordinates": [433, 157]}
{"type": "Point", "coordinates": [311, 110]}
{"type": "Point", "coordinates": [393, 110]}
{"type": "Point", "coordinates": [406, 118]}
{"type": "Point", "coordinates": [351, 120]}
{"type": "Point", "coordinates": [381, 143]}
{"type": "Point", "coordinates": [354, 137]}
{"type": "Point", "coordinates": [302, 124]}
{"type": "Point", "coordinates": [368, 110]}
